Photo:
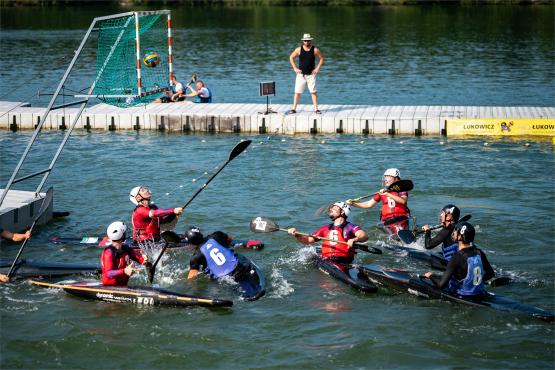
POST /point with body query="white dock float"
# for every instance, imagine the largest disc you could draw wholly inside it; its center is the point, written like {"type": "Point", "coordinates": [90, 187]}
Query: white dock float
{"type": "Point", "coordinates": [20, 207]}
{"type": "Point", "coordinates": [239, 117]}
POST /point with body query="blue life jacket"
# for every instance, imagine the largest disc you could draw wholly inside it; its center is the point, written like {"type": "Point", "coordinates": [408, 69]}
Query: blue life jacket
{"type": "Point", "coordinates": [200, 99]}
{"type": "Point", "coordinates": [473, 283]}
{"type": "Point", "coordinates": [449, 251]}
{"type": "Point", "coordinates": [220, 260]}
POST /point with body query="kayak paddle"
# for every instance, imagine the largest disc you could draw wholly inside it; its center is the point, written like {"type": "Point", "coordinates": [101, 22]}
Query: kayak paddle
{"type": "Point", "coordinates": [265, 225]}
{"type": "Point", "coordinates": [409, 237]}
{"type": "Point", "coordinates": [44, 206]}
{"type": "Point", "coordinates": [397, 186]}
{"type": "Point", "coordinates": [238, 149]}
{"type": "Point", "coordinates": [169, 238]}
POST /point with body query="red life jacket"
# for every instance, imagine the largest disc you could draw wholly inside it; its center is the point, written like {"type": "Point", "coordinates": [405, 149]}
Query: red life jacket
{"type": "Point", "coordinates": [113, 263]}
{"type": "Point", "coordinates": [145, 227]}
{"type": "Point", "coordinates": [334, 249]}
{"type": "Point", "coordinates": [390, 208]}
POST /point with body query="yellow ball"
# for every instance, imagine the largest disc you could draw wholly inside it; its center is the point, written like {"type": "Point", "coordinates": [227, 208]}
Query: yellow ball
{"type": "Point", "coordinates": [151, 60]}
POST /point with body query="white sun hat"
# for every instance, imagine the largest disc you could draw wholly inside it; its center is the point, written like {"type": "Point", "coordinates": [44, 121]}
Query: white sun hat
{"type": "Point", "coordinates": [307, 36]}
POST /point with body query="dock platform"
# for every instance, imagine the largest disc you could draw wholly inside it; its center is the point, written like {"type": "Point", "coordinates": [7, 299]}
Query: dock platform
{"type": "Point", "coordinates": [19, 208]}
{"type": "Point", "coordinates": [246, 118]}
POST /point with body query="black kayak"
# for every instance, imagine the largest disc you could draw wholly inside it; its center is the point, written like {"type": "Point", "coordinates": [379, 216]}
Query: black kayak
{"type": "Point", "coordinates": [104, 241]}
{"type": "Point", "coordinates": [147, 296]}
{"type": "Point", "coordinates": [35, 268]}
{"type": "Point", "coordinates": [346, 273]}
{"type": "Point", "coordinates": [250, 278]}
{"type": "Point", "coordinates": [422, 287]}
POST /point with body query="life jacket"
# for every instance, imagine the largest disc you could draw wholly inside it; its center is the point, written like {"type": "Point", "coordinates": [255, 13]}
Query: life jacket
{"type": "Point", "coordinates": [392, 209]}
{"type": "Point", "coordinates": [120, 259]}
{"type": "Point", "coordinates": [208, 99]}
{"type": "Point", "coordinates": [473, 283]}
{"type": "Point", "coordinates": [143, 229]}
{"type": "Point", "coordinates": [449, 251]}
{"type": "Point", "coordinates": [333, 249]}
{"type": "Point", "coordinates": [220, 260]}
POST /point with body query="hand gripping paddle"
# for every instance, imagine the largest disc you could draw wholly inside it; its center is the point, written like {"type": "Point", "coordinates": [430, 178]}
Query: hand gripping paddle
{"type": "Point", "coordinates": [265, 225]}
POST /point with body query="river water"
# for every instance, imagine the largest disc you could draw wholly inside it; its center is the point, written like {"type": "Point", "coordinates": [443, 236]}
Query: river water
{"type": "Point", "coordinates": [307, 319]}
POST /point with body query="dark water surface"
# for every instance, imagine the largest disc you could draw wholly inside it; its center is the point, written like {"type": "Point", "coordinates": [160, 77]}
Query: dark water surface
{"type": "Point", "coordinates": [306, 319]}
{"type": "Point", "coordinates": [409, 55]}
{"type": "Point", "coordinates": [375, 55]}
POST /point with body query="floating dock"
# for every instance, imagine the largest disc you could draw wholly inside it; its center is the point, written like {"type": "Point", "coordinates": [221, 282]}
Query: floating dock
{"type": "Point", "coordinates": [19, 209]}
{"type": "Point", "coordinates": [247, 118]}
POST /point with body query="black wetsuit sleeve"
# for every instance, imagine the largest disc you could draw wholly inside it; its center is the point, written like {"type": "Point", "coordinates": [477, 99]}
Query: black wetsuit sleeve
{"type": "Point", "coordinates": [449, 271]}
{"type": "Point", "coordinates": [440, 237]}
{"type": "Point", "coordinates": [489, 273]}
{"type": "Point", "coordinates": [198, 261]}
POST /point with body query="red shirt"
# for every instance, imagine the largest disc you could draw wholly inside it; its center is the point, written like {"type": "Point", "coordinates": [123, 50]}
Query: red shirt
{"type": "Point", "coordinates": [146, 227]}
{"type": "Point", "coordinates": [390, 208]}
{"type": "Point", "coordinates": [113, 264]}
{"type": "Point", "coordinates": [340, 233]}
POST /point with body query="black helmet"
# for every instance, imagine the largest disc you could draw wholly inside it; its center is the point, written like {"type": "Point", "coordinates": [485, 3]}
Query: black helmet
{"type": "Point", "coordinates": [466, 231]}
{"type": "Point", "coordinates": [194, 236]}
{"type": "Point", "coordinates": [451, 209]}
{"type": "Point", "coordinates": [221, 238]}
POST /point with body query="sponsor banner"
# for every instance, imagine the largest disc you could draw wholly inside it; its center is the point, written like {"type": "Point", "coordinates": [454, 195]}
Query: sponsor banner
{"type": "Point", "coordinates": [501, 127]}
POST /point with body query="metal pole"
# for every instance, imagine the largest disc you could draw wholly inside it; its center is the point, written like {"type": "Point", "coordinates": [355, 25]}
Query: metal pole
{"type": "Point", "coordinates": [48, 109]}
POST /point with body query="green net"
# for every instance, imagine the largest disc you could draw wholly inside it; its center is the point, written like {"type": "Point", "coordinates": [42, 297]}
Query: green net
{"type": "Point", "coordinates": [116, 60]}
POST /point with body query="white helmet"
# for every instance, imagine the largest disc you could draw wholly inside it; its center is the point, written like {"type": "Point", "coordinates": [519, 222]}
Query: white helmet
{"type": "Point", "coordinates": [344, 207]}
{"type": "Point", "coordinates": [116, 230]}
{"type": "Point", "coordinates": [135, 191]}
{"type": "Point", "coordinates": [392, 172]}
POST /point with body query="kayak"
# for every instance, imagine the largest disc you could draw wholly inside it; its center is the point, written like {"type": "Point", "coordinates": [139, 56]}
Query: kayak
{"type": "Point", "coordinates": [35, 268]}
{"type": "Point", "coordinates": [346, 273]}
{"type": "Point", "coordinates": [425, 288]}
{"type": "Point", "coordinates": [250, 278]}
{"type": "Point", "coordinates": [436, 261]}
{"type": "Point", "coordinates": [104, 241]}
{"type": "Point", "coordinates": [147, 296]}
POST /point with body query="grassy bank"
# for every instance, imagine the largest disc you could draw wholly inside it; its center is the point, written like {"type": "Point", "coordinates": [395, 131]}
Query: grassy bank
{"type": "Point", "coordinates": [234, 3]}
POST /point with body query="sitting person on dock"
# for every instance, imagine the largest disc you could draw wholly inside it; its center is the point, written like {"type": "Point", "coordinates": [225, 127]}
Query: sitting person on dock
{"type": "Point", "coordinates": [468, 268]}
{"type": "Point", "coordinates": [448, 217]}
{"type": "Point", "coordinates": [395, 213]}
{"type": "Point", "coordinates": [147, 217]}
{"type": "Point", "coordinates": [341, 230]}
{"type": "Point", "coordinates": [213, 254]}
{"type": "Point", "coordinates": [116, 260]}
{"type": "Point", "coordinates": [202, 94]}
{"type": "Point", "coordinates": [176, 93]}
{"type": "Point", "coordinates": [16, 237]}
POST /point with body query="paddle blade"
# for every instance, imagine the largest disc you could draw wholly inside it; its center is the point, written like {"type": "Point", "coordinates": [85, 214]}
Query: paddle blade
{"type": "Point", "coordinates": [500, 281]}
{"type": "Point", "coordinates": [150, 269]}
{"type": "Point", "coordinates": [263, 225]}
{"type": "Point", "coordinates": [465, 218]}
{"type": "Point", "coordinates": [401, 185]}
{"type": "Point", "coordinates": [323, 210]}
{"type": "Point", "coordinates": [239, 148]}
{"type": "Point", "coordinates": [406, 236]}
{"type": "Point", "coordinates": [170, 237]}
{"type": "Point", "coordinates": [368, 249]}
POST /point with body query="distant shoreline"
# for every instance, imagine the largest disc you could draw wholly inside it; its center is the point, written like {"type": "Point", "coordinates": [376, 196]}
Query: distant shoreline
{"type": "Point", "coordinates": [255, 3]}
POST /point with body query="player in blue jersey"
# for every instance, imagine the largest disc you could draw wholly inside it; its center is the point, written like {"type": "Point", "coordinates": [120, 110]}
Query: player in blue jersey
{"type": "Point", "coordinates": [213, 254]}
{"type": "Point", "coordinates": [468, 268]}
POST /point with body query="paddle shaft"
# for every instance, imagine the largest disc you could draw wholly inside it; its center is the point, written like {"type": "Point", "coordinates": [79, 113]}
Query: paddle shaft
{"type": "Point", "coordinates": [206, 184]}
{"type": "Point", "coordinates": [238, 149]}
{"type": "Point", "coordinates": [439, 226]}
{"type": "Point", "coordinates": [43, 209]}
{"type": "Point", "coordinates": [357, 245]}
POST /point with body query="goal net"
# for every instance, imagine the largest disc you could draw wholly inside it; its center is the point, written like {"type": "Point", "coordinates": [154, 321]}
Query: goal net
{"type": "Point", "coordinates": [133, 58]}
